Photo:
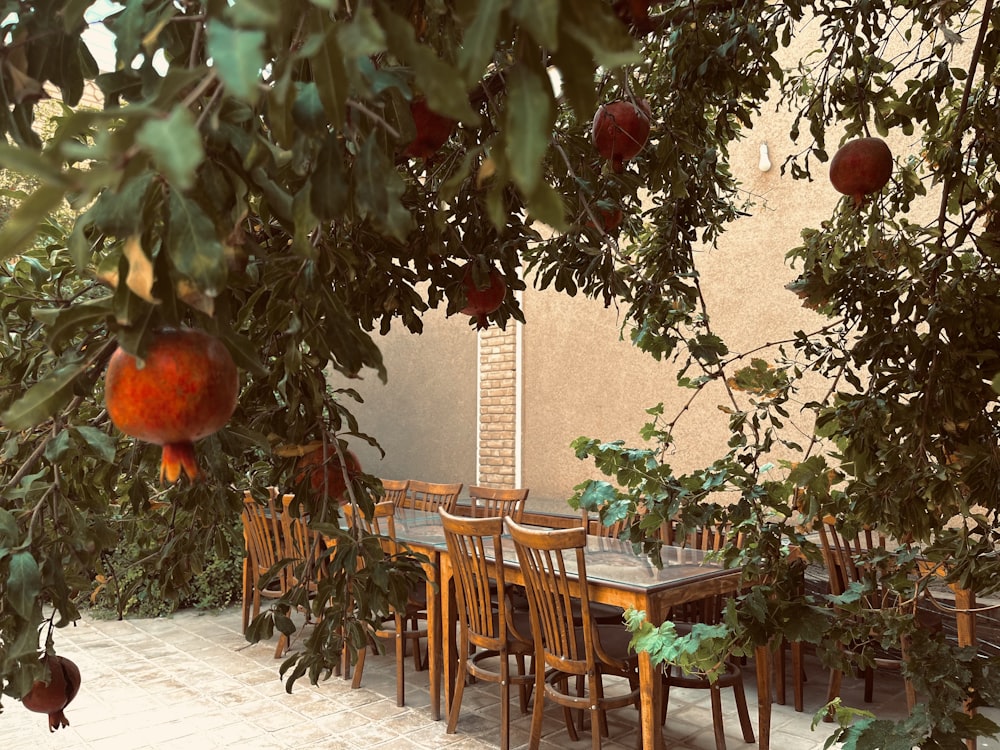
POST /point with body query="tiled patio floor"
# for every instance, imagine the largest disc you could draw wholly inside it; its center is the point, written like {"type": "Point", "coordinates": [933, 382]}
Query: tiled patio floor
{"type": "Point", "coordinates": [190, 681]}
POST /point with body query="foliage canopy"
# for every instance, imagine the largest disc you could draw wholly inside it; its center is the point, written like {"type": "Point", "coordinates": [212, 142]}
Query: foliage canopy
{"type": "Point", "coordinates": [246, 176]}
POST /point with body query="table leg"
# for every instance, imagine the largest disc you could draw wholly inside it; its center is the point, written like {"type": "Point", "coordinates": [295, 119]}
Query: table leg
{"type": "Point", "coordinates": [965, 599]}
{"type": "Point", "coordinates": [651, 697]}
{"type": "Point", "coordinates": [448, 634]}
{"type": "Point", "coordinates": [763, 657]}
{"type": "Point", "coordinates": [434, 641]}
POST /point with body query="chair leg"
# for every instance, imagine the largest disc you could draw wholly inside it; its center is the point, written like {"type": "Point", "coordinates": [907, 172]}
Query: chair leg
{"type": "Point", "coordinates": [282, 646]}
{"type": "Point", "coordinates": [504, 701]}
{"type": "Point", "coordinates": [798, 674]}
{"type": "Point", "coordinates": [456, 699]}
{"type": "Point", "coordinates": [359, 669]}
{"type": "Point", "coordinates": [718, 727]}
{"type": "Point", "coordinates": [538, 712]}
{"type": "Point", "coordinates": [743, 711]}
{"type": "Point", "coordinates": [400, 659]}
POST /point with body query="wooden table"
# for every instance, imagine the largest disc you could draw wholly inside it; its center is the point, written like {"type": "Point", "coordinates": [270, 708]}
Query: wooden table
{"type": "Point", "coordinates": [615, 575]}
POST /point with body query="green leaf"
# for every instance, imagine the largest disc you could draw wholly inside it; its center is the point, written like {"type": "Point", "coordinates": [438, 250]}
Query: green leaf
{"type": "Point", "coordinates": [24, 583]}
{"type": "Point", "coordinates": [22, 225]}
{"type": "Point", "coordinates": [529, 115]}
{"type": "Point", "coordinates": [435, 78]}
{"type": "Point", "coordinates": [593, 24]}
{"type": "Point", "coordinates": [254, 14]}
{"type": "Point", "coordinates": [100, 442]}
{"type": "Point", "coordinates": [329, 188]}
{"type": "Point", "coordinates": [378, 189]}
{"type": "Point", "coordinates": [362, 36]}
{"type": "Point", "coordinates": [546, 205]}
{"type": "Point", "coordinates": [56, 448]}
{"type": "Point", "coordinates": [43, 399]}
{"type": "Point", "coordinates": [175, 145]}
{"type": "Point", "coordinates": [307, 109]}
{"type": "Point", "coordinates": [238, 58]}
{"type": "Point", "coordinates": [480, 38]}
{"type": "Point", "coordinates": [30, 163]}
{"type": "Point", "coordinates": [577, 70]}
{"type": "Point", "coordinates": [194, 248]}
{"type": "Point", "coordinates": [8, 527]}
{"type": "Point", "coordinates": [64, 323]}
{"type": "Point", "coordinates": [331, 78]}
{"type": "Point", "coordinates": [540, 18]}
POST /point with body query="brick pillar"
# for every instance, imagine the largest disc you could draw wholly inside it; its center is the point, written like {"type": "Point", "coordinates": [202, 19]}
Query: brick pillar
{"type": "Point", "coordinates": [498, 406]}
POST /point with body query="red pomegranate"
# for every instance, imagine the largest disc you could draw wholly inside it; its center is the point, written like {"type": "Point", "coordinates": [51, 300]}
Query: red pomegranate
{"type": "Point", "coordinates": [324, 471]}
{"type": "Point", "coordinates": [611, 219]}
{"type": "Point", "coordinates": [185, 390]}
{"type": "Point", "coordinates": [635, 15]}
{"type": "Point", "coordinates": [620, 130]}
{"type": "Point", "coordinates": [52, 696]}
{"type": "Point", "coordinates": [432, 131]}
{"type": "Point", "coordinates": [861, 167]}
{"type": "Point", "coordinates": [481, 302]}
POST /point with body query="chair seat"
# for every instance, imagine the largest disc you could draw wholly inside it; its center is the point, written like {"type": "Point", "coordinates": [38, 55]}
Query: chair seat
{"type": "Point", "coordinates": [603, 614]}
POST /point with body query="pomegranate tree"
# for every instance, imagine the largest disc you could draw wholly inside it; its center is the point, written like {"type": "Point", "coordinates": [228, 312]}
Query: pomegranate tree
{"type": "Point", "coordinates": [185, 389]}
{"type": "Point", "coordinates": [481, 301]}
{"type": "Point", "coordinates": [861, 167]}
{"type": "Point", "coordinates": [323, 471]}
{"type": "Point", "coordinates": [433, 130]}
{"type": "Point", "coordinates": [53, 695]}
{"type": "Point", "coordinates": [620, 130]}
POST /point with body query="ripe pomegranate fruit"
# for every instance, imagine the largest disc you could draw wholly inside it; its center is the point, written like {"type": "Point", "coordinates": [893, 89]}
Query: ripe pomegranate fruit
{"type": "Point", "coordinates": [635, 15]}
{"type": "Point", "coordinates": [481, 302]}
{"type": "Point", "coordinates": [861, 167]}
{"type": "Point", "coordinates": [432, 131]}
{"type": "Point", "coordinates": [185, 390]}
{"type": "Point", "coordinates": [611, 219]}
{"type": "Point", "coordinates": [327, 474]}
{"type": "Point", "coordinates": [52, 696]}
{"type": "Point", "coordinates": [620, 130]}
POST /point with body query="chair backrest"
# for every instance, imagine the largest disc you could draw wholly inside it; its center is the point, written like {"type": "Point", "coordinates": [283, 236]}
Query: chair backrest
{"type": "Point", "coordinates": [710, 539]}
{"type": "Point", "coordinates": [430, 496]}
{"type": "Point", "coordinates": [548, 559]}
{"type": "Point", "coordinates": [474, 546]}
{"type": "Point", "coordinates": [845, 557]}
{"type": "Point", "coordinates": [262, 533]}
{"type": "Point", "coordinates": [596, 527]}
{"type": "Point", "coordinates": [300, 542]}
{"type": "Point", "coordinates": [382, 522]}
{"type": "Point", "coordinates": [497, 501]}
{"type": "Point", "coordinates": [395, 490]}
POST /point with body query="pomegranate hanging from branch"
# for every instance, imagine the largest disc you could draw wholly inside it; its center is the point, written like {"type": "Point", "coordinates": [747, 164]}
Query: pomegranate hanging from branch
{"type": "Point", "coordinates": [861, 167]}
{"type": "Point", "coordinates": [51, 696]}
{"type": "Point", "coordinates": [483, 301]}
{"type": "Point", "coordinates": [184, 390]}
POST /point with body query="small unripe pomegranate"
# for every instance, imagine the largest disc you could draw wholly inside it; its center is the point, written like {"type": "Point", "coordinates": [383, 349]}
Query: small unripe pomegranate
{"type": "Point", "coordinates": [861, 167]}
{"type": "Point", "coordinates": [433, 130]}
{"type": "Point", "coordinates": [620, 130]}
{"type": "Point", "coordinates": [52, 696]}
{"type": "Point", "coordinates": [325, 472]}
{"type": "Point", "coordinates": [184, 390]}
{"type": "Point", "coordinates": [481, 302]}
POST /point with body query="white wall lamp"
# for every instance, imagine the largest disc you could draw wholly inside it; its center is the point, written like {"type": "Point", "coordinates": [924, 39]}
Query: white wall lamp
{"type": "Point", "coordinates": [764, 165]}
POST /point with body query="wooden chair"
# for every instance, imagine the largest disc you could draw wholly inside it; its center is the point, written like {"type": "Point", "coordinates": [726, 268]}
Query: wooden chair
{"type": "Point", "coordinates": [708, 611]}
{"type": "Point", "coordinates": [496, 501]}
{"type": "Point", "coordinates": [382, 524]}
{"type": "Point", "coordinates": [565, 649]}
{"type": "Point", "coordinates": [850, 559]}
{"type": "Point", "coordinates": [486, 623]}
{"type": "Point", "coordinates": [303, 549]}
{"type": "Point", "coordinates": [395, 490]}
{"type": "Point", "coordinates": [430, 496]}
{"type": "Point", "coordinates": [265, 550]}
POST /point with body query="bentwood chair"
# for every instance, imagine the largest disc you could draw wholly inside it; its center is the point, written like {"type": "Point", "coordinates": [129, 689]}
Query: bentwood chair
{"type": "Point", "coordinates": [497, 501]}
{"type": "Point", "coordinates": [395, 490]}
{"type": "Point", "coordinates": [487, 624]}
{"type": "Point", "coordinates": [303, 549]}
{"type": "Point", "coordinates": [430, 496]}
{"type": "Point", "coordinates": [263, 575]}
{"type": "Point", "coordinates": [708, 611]}
{"type": "Point", "coordinates": [853, 559]}
{"type": "Point", "coordinates": [382, 524]}
{"type": "Point", "coordinates": [585, 651]}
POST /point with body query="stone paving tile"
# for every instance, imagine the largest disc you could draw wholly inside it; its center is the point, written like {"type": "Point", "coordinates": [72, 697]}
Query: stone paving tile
{"type": "Point", "coordinates": [190, 681]}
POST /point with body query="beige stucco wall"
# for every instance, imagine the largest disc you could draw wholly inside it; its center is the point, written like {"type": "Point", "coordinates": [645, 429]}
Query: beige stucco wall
{"type": "Point", "coordinates": [424, 417]}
